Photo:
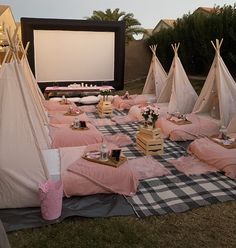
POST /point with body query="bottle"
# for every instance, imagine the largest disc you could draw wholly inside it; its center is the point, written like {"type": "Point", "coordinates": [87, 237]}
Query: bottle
{"type": "Point", "coordinates": [104, 153]}
{"type": "Point", "coordinates": [223, 133]}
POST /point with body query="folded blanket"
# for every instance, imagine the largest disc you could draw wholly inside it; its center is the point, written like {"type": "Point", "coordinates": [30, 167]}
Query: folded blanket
{"type": "Point", "coordinates": [118, 139]}
{"type": "Point", "coordinates": [192, 166]}
{"type": "Point", "coordinates": [215, 155]}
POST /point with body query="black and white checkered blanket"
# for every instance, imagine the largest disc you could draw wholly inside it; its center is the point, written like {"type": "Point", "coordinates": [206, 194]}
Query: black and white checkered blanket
{"type": "Point", "coordinates": [179, 193]}
{"type": "Point", "coordinates": [175, 192]}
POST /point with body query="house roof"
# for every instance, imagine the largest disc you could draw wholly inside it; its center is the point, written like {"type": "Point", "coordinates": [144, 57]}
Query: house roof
{"type": "Point", "coordinates": [207, 10]}
{"type": "Point", "coordinates": [168, 22]}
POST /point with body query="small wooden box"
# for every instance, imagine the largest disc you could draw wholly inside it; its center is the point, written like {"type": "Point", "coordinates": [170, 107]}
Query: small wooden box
{"type": "Point", "coordinates": [104, 108]}
{"type": "Point", "coordinates": [152, 133]}
{"type": "Point", "coordinates": [149, 141]}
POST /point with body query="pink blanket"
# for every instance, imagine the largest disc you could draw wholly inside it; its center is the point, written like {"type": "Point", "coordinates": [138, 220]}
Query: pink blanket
{"type": "Point", "coordinates": [88, 108]}
{"type": "Point", "coordinates": [102, 122]}
{"type": "Point", "coordinates": [215, 155]}
{"type": "Point", "coordinates": [118, 139]}
{"type": "Point", "coordinates": [122, 104]}
{"type": "Point", "coordinates": [147, 167]}
{"type": "Point", "coordinates": [63, 136]}
{"type": "Point", "coordinates": [81, 177]}
{"type": "Point", "coordinates": [123, 119]}
{"type": "Point", "coordinates": [57, 106]}
{"type": "Point", "coordinates": [200, 127]}
{"type": "Point", "coordinates": [59, 117]}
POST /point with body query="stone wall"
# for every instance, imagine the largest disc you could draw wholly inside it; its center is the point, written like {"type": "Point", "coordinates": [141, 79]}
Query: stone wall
{"type": "Point", "coordinates": [137, 60]}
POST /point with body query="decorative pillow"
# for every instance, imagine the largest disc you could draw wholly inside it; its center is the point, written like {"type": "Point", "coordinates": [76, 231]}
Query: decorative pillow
{"type": "Point", "coordinates": [89, 100]}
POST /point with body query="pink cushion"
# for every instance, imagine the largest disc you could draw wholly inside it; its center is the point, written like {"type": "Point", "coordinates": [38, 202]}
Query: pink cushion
{"type": "Point", "coordinates": [83, 178]}
{"type": "Point", "coordinates": [50, 194]}
{"type": "Point", "coordinates": [58, 117]}
{"type": "Point", "coordinates": [56, 106]}
{"type": "Point", "coordinates": [122, 104]}
{"type": "Point", "coordinates": [63, 136]}
{"type": "Point", "coordinates": [215, 155]}
{"type": "Point", "coordinates": [200, 127]}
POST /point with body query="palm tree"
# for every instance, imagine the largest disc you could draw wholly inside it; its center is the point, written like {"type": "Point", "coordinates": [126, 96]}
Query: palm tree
{"type": "Point", "coordinates": [132, 25]}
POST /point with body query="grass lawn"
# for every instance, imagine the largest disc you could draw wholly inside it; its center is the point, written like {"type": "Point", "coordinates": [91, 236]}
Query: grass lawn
{"type": "Point", "coordinates": [211, 226]}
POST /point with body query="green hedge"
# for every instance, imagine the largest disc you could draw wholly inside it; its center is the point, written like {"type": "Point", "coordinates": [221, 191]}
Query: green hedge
{"type": "Point", "coordinates": [194, 32]}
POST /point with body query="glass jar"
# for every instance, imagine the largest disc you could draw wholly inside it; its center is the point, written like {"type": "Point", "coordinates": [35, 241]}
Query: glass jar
{"type": "Point", "coordinates": [104, 153]}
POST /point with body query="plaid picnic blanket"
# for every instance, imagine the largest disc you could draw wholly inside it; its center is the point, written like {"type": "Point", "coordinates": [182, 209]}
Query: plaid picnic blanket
{"type": "Point", "coordinates": [175, 192]}
{"type": "Point", "coordinates": [179, 193]}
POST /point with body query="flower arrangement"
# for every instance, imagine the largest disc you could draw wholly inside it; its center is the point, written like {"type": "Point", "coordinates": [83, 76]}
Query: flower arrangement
{"type": "Point", "coordinates": [105, 93]}
{"type": "Point", "coordinates": [150, 112]}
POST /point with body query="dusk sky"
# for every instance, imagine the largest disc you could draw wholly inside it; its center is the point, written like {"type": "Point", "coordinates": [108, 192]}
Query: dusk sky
{"type": "Point", "coordinates": [148, 12]}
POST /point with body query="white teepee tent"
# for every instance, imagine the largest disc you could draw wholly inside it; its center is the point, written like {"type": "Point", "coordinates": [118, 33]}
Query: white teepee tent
{"type": "Point", "coordinates": [218, 95]}
{"type": "Point", "coordinates": [22, 166]}
{"type": "Point", "coordinates": [178, 91]}
{"type": "Point", "coordinates": [156, 77]}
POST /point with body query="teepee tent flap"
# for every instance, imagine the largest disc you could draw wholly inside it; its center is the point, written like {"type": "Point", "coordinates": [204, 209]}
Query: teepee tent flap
{"type": "Point", "coordinates": [156, 77]}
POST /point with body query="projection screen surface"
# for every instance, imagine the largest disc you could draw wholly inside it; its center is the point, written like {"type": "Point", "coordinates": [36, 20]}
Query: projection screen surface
{"type": "Point", "coordinates": [71, 55]}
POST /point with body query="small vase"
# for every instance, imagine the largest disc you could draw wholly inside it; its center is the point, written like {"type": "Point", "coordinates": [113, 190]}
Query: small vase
{"type": "Point", "coordinates": [153, 124]}
{"type": "Point", "coordinates": [104, 98]}
{"type": "Point", "coordinates": [145, 124]}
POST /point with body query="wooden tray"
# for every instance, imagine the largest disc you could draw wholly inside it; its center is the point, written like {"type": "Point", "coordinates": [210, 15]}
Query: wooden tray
{"type": "Point", "coordinates": [182, 122]}
{"type": "Point", "coordinates": [79, 128]}
{"type": "Point", "coordinates": [110, 162]}
{"type": "Point", "coordinates": [64, 103]}
{"type": "Point", "coordinates": [72, 114]}
{"type": "Point", "coordinates": [231, 146]}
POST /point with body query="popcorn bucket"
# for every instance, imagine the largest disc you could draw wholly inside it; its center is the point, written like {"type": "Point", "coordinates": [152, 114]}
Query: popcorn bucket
{"type": "Point", "coordinates": [50, 195]}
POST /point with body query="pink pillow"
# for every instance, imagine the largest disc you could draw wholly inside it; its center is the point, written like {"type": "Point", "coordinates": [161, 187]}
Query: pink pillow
{"type": "Point", "coordinates": [86, 178]}
{"type": "Point", "coordinates": [63, 136]}
{"type": "Point", "coordinates": [57, 106]}
{"type": "Point", "coordinates": [215, 155]}
{"type": "Point", "coordinates": [58, 117]}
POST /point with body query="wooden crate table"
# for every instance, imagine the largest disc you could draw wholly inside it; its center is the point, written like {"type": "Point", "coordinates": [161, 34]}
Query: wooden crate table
{"type": "Point", "coordinates": [104, 108]}
{"type": "Point", "coordinates": [149, 141]}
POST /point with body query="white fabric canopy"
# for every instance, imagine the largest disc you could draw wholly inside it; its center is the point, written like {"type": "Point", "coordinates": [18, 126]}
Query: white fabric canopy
{"type": "Point", "coordinates": [218, 95]}
{"type": "Point", "coordinates": [178, 91]}
{"type": "Point", "coordinates": [156, 77]}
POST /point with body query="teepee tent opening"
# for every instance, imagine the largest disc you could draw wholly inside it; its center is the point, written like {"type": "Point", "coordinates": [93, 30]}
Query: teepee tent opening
{"type": "Point", "coordinates": [156, 77]}
{"type": "Point", "coordinates": [178, 91]}
{"type": "Point", "coordinates": [218, 96]}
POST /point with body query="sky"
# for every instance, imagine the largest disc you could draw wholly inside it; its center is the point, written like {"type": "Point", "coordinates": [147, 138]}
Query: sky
{"type": "Point", "coordinates": [148, 12]}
